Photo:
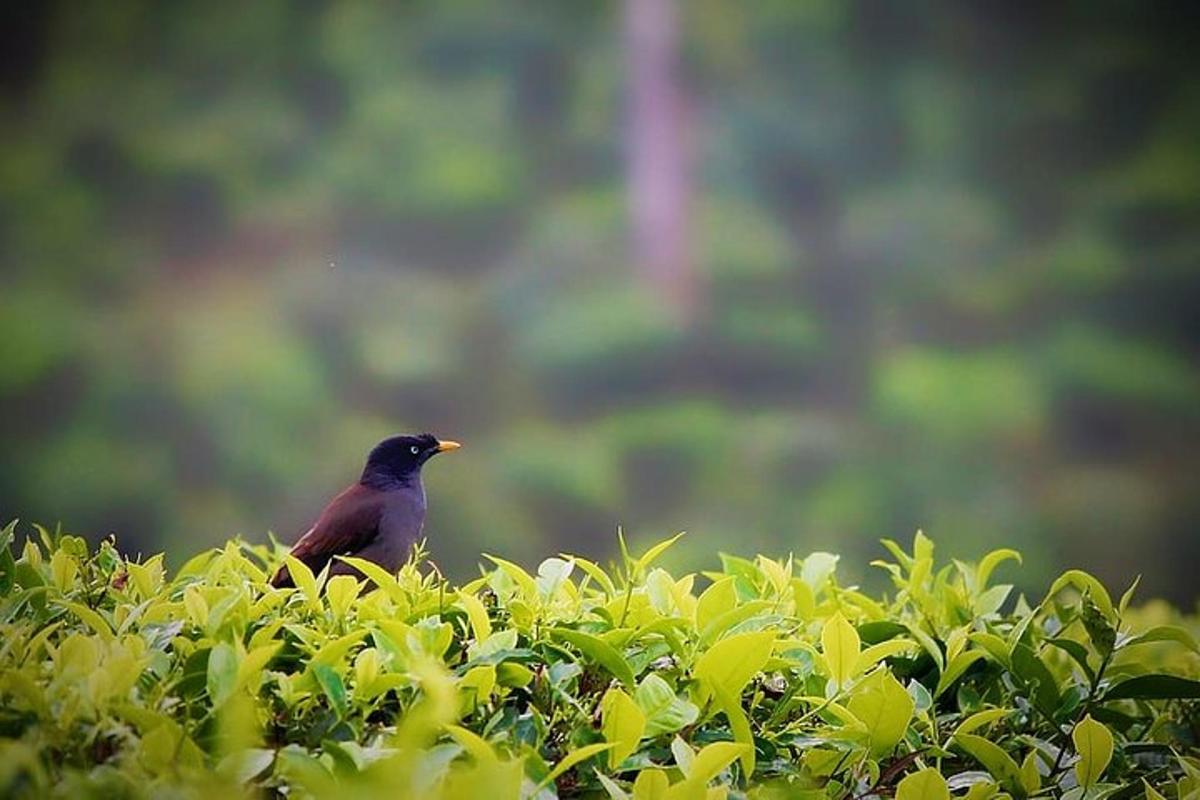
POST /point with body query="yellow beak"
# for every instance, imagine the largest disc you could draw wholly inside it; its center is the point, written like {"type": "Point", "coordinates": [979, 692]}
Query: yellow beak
{"type": "Point", "coordinates": [447, 445]}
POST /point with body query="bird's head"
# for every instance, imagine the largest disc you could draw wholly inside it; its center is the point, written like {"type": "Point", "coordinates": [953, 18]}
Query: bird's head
{"type": "Point", "coordinates": [397, 460]}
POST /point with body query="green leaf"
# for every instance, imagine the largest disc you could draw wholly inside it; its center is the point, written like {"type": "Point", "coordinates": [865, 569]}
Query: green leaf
{"type": "Point", "coordinates": [615, 792]}
{"type": "Point", "coordinates": [1087, 584]}
{"type": "Point", "coordinates": [1077, 652]}
{"type": "Point", "coordinates": [1163, 633]}
{"type": "Point", "coordinates": [840, 646]}
{"type": "Point", "coordinates": [733, 661]}
{"type": "Point", "coordinates": [955, 669]}
{"type": "Point", "coordinates": [884, 707]}
{"type": "Point", "coordinates": [928, 784]}
{"type": "Point", "coordinates": [1154, 687]}
{"type": "Point", "coordinates": [999, 763]}
{"type": "Point", "coordinates": [222, 673]}
{"type": "Point", "coordinates": [622, 724]}
{"type": "Point", "coordinates": [1030, 668]}
{"type": "Point", "coordinates": [331, 683]}
{"type": "Point", "coordinates": [599, 651]}
{"type": "Point", "coordinates": [1094, 744]}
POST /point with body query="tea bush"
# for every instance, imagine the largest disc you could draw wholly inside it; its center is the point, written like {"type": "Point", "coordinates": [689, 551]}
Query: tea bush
{"type": "Point", "coordinates": [765, 678]}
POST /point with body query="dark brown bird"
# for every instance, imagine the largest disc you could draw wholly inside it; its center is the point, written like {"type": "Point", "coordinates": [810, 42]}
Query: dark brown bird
{"type": "Point", "coordinates": [379, 518]}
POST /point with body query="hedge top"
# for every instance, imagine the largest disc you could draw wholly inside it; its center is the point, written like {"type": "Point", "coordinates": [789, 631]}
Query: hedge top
{"type": "Point", "coordinates": [765, 678]}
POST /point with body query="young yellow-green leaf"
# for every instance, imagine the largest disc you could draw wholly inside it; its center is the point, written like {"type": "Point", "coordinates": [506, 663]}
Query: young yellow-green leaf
{"type": "Point", "coordinates": [884, 707]}
{"type": "Point", "coordinates": [651, 784]}
{"type": "Point", "coordinates": [477, 685]}
{"type": "Point", "coordinates": [252, 665]}
{"type": "Point", "coordinates": [840, 645]}
{"type": "Point", "coordinates": [512, 674]}
{"type": "Point", "coordinates": [657, 550]}
{"type": "Point", "coordinates": [1151, 792]}
{"type": "Point", "coordinates": [379, 576]}
{"type": "Point", "coordinates": [739, 725]}
{"type": "Point", "coordinates": [63, 569]}
{"type": "Point", "coordinates": [303, 577]}
{"type": "Point", "coordinates": [91, 618]}
{"type": "Point", "coordinates": [1031, 779]}
{"type": "Point", "coordinates": [714, 758]}
{"type": "Point", "coordinates": [717, 599]}
{"type": "Point", "coordinates": [989, 563]}
{"type": "Point", "coordinates": [481, 626]}
{"type": "Point", "coordinates": [979, 719]}
{"type": "Point", "coordinates": [684, 755]}
{"type": "Point", "coordinates": [1094, 744]}
{"type": "Point", "coordinates": [475, 745]}
{"type": "Point", "coordinates": [599, 651]}
{"type": "Point", "coordinates": [595, 572]}
{"type": "Point", "coordinates": [622, 724]}
{"type": "Point", "coordinates": [341, 591]}
{"type": "Point", "coordinates": [928, 784]}
{"type": "Point", "coordinates": [665, 711]}
{"type": "Point", "coordinates": [877, 652]}
{"type": "Point", "coordinates": [519, 576]}
{"type": "Point", "coordinates": [723, 622]}
{"type": "Point", "coordinates": [734, 660]}
{"type": "Point", "coordinates": [571, 759]}
{"type": "Point", "coordinates": [332, 652]}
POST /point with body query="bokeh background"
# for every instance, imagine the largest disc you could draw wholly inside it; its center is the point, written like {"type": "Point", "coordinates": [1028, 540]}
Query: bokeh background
{"type": "Point", "coordinates": [789, 276]}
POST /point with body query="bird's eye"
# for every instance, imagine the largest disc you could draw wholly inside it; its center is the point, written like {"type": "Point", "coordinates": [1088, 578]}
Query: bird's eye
{"type": "Point", "coordinates": [415, 449]}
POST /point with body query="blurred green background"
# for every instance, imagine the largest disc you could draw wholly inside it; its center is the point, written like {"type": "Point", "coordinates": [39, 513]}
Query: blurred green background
{"type": "Point", "coordinates": [940, 267]}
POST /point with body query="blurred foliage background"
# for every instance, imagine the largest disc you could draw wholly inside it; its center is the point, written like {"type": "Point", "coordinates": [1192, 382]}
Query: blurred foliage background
{"type": "Point", "coordinates": [943, 259]}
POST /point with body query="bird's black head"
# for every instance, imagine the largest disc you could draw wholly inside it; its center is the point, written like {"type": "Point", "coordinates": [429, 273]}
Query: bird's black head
{"type": "Point", "coordinates": [397, 461]}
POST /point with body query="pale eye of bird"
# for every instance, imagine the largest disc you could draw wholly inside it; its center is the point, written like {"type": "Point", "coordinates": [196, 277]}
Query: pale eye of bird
{"type": "Point", "coordinates": [415, 449]}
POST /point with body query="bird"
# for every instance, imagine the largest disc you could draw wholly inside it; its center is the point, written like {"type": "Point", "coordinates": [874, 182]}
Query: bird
{"type": "Point", "coordinates": [378, 518]}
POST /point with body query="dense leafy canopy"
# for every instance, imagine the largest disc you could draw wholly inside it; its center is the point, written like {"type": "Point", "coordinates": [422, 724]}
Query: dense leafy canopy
{"type": "Point", "coordinates": [767, 678]}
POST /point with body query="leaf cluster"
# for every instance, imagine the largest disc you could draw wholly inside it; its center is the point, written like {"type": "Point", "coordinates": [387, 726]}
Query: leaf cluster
{"type": "Point", "coordinates": [764, 678]}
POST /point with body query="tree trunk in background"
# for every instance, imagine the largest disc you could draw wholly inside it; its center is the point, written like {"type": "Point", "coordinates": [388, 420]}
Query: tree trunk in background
{"type": "Point", "coordinates": [659, 180]}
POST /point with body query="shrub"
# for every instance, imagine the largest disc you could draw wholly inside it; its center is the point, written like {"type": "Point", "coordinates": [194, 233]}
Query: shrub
{"type": "Point", "coordinates": [765, 678]}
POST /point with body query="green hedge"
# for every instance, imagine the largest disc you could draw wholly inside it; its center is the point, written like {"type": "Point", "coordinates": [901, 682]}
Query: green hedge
{"type": "Point", "coordinates": [763, 678]}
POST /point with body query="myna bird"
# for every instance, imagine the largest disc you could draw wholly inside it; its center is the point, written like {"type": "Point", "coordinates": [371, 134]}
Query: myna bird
{"type": "Point", "coordinates": [379, 518]}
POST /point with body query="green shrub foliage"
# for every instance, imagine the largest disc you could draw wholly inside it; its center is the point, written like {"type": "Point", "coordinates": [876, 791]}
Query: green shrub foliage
{"type": "Point", "coordinates": [763, 678]}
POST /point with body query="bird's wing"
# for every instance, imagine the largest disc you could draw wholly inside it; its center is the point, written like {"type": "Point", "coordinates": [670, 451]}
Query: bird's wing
{"type": "Point", "coordinates": [348, 523]}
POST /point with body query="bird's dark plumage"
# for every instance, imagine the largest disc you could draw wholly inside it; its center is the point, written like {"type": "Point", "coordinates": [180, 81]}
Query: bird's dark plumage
{"type": "Point", "coordinates": [378, 518]}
